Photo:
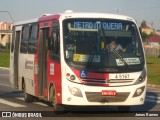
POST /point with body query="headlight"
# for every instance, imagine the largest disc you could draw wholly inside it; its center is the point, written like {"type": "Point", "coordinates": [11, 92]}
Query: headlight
{"type": "Point", "coordinates": [142, 77]}
{"type": "Point", "coordinates": [70, 77]}
{"type": "Point", "coordinates": [75, 91]}
{"type": "Point", "coordinates": [139, 91]}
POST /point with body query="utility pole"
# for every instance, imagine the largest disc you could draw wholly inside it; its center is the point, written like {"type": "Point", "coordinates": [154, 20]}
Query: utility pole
{"type": "Point", "coordinates": [8, 14]}
{"type": "Point", "coordinates": [117, 10]}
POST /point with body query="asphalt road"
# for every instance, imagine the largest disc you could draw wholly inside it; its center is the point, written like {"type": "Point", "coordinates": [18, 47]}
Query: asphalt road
{"type": "Point", "coordinates": [12, 101]}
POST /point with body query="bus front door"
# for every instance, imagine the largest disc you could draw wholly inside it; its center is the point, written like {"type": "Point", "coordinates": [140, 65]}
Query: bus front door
{"type": "Point", "coordinates": [16, 59]}
{"type": "Point", "coordinates": [42, 61]}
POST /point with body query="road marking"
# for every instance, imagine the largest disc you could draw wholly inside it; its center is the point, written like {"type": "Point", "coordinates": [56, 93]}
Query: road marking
{"type": "Point", "coordinates": [20, 98]}
{"type": "Point", "coordinates": [153, 91]}
{"type": "Point", "coordinates": [153, 97]}
{"type": "Point", "coordinates": [152, 100]}
{"type": "Point", "coordinates": [40, 103]}
{"type": "Point", "coordinates": [37, 103]}
{"type": "Point", "coordinates": [3, 101]}
{"type": "Point", "coordinates": [4, 75]}
{"type": "Point", "coordinates": [6, 85]}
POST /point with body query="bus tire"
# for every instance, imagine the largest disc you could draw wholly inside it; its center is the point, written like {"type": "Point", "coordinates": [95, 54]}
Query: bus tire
{"type": "Point", "coordinates": [52, 98]}
{"type": "Point", "coordinates": [124, 108]}
{"type": "Point", "coordinates": [27, 97]}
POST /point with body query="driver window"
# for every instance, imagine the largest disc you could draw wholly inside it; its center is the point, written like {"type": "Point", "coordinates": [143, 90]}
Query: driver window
{"type": "Point", "coordinates": [55, 42]}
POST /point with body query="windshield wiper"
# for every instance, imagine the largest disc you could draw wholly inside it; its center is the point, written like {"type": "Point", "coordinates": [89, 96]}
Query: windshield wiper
{"type": "Point", "coordinates": [97, 47]}
{"type": "Point", "coordinates": [95, 51]}
{"type": "Point", "coordinates": [119, 56]}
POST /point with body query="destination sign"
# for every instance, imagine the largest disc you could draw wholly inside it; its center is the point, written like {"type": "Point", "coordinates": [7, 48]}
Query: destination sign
{"type": "Point", "coordinates": [98, 25]}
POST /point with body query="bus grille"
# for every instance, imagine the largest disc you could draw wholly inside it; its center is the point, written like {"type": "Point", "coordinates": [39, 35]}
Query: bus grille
{"type": "Point", "coordinates": [97, 97]}
{"type": "Point", "coordinates": [108, 81]}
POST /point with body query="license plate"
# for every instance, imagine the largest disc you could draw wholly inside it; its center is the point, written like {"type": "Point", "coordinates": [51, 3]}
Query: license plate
{"type": "Point", "coordinates": [108, 93]}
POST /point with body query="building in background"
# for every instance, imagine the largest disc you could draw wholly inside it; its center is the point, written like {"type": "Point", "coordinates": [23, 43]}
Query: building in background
{"type": "Point", "coordinates": [158, 32]}
{"type": "Point", "coordinates": [148, 30]}
{"type": "Point", "coordinates": [153, 41]}
{"type": "Point", "coordinates": [5, 33]}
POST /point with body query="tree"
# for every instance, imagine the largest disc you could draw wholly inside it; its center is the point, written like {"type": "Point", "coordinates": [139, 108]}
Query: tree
{"type": "Point", "coordinates": [143, 23]}
{"type": "Point", "coordinates": [144, 35]}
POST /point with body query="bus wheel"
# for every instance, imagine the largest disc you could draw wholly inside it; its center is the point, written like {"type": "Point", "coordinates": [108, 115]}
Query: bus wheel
{"type": "Point", "coordinates": [124, 108]}
{"type": "Point", "coordinates": [27, 97]}
{"type": "Point", "coordinates": [52, 98]}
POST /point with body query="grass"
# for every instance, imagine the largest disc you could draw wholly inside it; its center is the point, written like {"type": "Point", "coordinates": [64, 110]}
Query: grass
{"type": "Point", "coordinates": [153, 66]}
{"type": "Point", "coordinates": [4, 59]}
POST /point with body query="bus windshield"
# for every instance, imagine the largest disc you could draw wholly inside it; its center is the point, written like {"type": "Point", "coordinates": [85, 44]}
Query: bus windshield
{"type": "Point", "coordinates": [102, 45]}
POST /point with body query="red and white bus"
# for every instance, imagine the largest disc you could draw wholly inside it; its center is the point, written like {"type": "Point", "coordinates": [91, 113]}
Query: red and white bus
{"type": "Point", "coordinates": [67, 59]}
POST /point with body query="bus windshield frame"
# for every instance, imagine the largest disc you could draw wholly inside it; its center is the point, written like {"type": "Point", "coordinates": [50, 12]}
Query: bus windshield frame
{"type": "Point", "coordinates": [87, 45]}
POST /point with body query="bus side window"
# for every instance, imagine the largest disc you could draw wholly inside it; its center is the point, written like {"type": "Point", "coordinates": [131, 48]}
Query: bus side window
{"type": "Point", "coordinates": [55, 43]}
{"type": "Point", "coordinates": [33, 39]}
{"type": "Point", "coordinates": [24, 39]}
{"type": "Point", "coordinates": [13, 40]}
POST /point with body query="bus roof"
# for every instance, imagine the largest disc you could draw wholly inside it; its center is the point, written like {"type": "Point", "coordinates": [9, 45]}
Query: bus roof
{"type": "Point", "coordinates": [95, 15]}
{"type": "Point", "coordinates": [84, 15]}
{"type": "Point", "coordinates": [75, 15]}
{"type": "Point", "coordinates": [26, 22]}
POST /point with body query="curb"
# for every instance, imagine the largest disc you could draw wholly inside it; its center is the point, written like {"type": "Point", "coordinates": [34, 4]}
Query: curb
{"type": "Point", "coordinates": [4, 68]}
{"type": "Point", "coordinates": [153, 86]}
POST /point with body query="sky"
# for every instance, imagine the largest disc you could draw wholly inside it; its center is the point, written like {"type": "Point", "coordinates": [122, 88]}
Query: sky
{"type": "Point", "coordinates": [19, 10]}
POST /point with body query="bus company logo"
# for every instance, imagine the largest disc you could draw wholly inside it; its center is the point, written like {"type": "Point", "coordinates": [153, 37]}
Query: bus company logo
{"type": "Point", "coordinates": [6, 114]}
{"type": "Point", "coordinates": [28, 64]}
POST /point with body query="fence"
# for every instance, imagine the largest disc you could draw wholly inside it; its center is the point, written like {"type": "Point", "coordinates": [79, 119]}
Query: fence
{"type": "Point", "coordinates": [152, 51]}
